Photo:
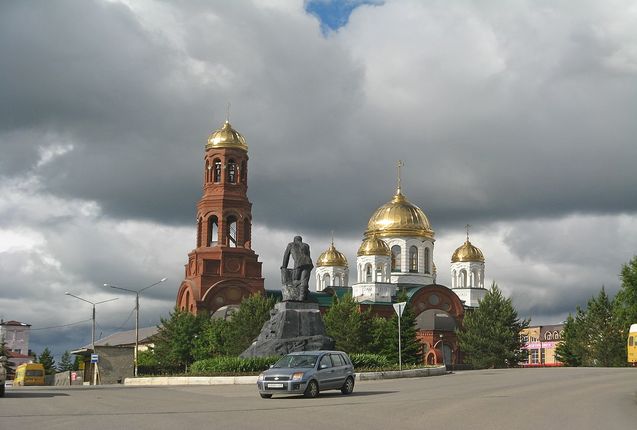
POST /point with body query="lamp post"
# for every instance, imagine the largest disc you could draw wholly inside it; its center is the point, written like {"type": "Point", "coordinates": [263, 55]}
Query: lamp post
{"type": "Point", "coordinates": [442, 350]}
{"type": "Point", "coordinates": [136, 292]}
{"type": "Point", "coordinates": [93, 331]}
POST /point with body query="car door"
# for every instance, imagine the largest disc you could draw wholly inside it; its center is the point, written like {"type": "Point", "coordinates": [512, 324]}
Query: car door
{"type": "Point", "coordinates": [325, 373]}
{"type": "Point", "coordinates": [340, 370]}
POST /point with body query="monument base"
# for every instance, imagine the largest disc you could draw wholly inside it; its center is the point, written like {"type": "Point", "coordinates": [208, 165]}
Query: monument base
{"type": "Point", "coordinates": [293, 326]}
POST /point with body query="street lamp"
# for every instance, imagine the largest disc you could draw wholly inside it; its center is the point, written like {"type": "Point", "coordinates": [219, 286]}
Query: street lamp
{"type": "Point", "coordinates": [136, 292]}
{"type": "Point", "coordinates": [93, 332]}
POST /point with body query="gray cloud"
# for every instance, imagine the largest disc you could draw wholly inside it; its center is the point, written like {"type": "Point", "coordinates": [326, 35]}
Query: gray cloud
{"type": "Point", "coordinates": [517, 119]}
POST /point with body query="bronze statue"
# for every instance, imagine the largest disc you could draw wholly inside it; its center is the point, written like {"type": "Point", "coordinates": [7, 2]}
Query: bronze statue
{"type": "Point", "coordinates": [296, 281]}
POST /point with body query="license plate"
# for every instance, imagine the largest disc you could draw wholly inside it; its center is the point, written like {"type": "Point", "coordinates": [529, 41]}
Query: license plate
{"type": "Point", "coordinates": [275, 385]}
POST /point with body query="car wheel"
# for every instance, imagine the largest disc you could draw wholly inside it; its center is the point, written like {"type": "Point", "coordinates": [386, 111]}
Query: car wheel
{"type": "Point", "coordinates": [312, 389]}
{"type": "Point", "coordinates": [348, 386]}
{"type": "Point", "coordinates": [265, 396]}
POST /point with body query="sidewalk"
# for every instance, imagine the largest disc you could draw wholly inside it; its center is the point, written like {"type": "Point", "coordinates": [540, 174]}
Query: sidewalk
{"type": "Point", "coordinates": [236, 380]}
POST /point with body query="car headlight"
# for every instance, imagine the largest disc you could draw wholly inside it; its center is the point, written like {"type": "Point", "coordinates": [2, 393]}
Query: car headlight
{"type": "Point", "coordinates": [261, 377]}
{"type": "Point", "coordinates": [297, 376]}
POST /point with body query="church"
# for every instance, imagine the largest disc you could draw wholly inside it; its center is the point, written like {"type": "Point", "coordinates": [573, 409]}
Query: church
{"type": "Point", "coordinates": [396, 253]}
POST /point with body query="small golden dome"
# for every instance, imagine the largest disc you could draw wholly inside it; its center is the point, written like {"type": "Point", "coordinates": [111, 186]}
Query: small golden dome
{"type": "Point", "coordinates": [373, 246]}
{"type": "Point", "coordinates": [226, 137]}
{"type": "Point", "coordinates": [332, 257]}
{"type": "Point", "coordinates": [467, 252]}
{"type": "Point", "coordinates": [399, 217]}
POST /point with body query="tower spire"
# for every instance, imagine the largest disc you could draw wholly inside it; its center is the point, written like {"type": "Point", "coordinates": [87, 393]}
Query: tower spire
{"type": "Point", "coordinates": [228, 112]}
{"type": "Point", "coordinates": [467, 228]}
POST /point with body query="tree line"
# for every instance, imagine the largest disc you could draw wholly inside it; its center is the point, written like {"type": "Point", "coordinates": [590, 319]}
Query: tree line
{"type": "Point", "coordinates": [596, 334]}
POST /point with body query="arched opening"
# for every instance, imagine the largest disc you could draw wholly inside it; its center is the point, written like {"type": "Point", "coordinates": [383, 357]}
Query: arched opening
{"type": "Point", "coordinates": [368, 273]}
{"type": "Point", "coordinates": [216, 170]}
{"type": "Point", "coordinates": [556, 336]}
{"type": "Point", "coordinates": [379, 273]}
{"type": "Point", "coordinates": [395, 258]}
{"type": "Point", "coordinates": [548, 335]}
{"type": "Point", "coordinates": [231, 232]}
{"type": "Point", "coordinates": [337, 280]}
{"type": "Point", "coordinates": [463, 279]}
{"type": "Point", "coordinates": [326, 280]}
{"type": "Point", "coordinates": [427, 261]}
{"type": "Point", "coordinates": [213, 231]}
{"type": "Point", "coordinates": [232, 171]}
{"type": "Point", "coordinates": [413, 259]}
{"type": "Point", "coordinates": [454, 280]}
{"type": "Point", "coordinates": [207, 172]}
{"type": "Point", "coordinates": [435, 319]}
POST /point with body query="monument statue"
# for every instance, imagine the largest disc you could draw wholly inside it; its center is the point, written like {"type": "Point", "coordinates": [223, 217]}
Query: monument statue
{"type": "Point", "coordinates": [295, 324]}
{"type": "Point", "coordinates": [296, 281]}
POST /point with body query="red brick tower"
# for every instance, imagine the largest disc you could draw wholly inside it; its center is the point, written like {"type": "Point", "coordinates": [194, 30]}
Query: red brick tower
{"type": "Point", "coordinates": [222, 269]}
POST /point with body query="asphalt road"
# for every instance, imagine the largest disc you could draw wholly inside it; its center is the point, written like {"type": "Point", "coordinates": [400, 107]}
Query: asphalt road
{"type": "Point", "coordinates": [491, 399]}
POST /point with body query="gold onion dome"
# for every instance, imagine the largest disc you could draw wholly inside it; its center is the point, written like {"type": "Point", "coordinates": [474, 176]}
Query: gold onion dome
{"type": "Point", "coordinates": [226, 137]}
{"type": "Point", "coordinates": [372, 245]}
{"type": "Point", "coordinates": [399, 217]}
{"type": "Point", "coordinates": [467, 252]}
{"type": "Point", "coordinates": [331, 257]}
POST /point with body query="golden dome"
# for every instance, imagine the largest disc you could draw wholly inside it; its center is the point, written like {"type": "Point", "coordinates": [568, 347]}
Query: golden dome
{"type": "Point", "coordinates": [372, 245]}
{"type": "Point", "coordinates": [467, 252]}
{"type": "Point", "coordinates": [397, 218]}
{"type": "Point", "coordinates": [226, 137]}
{"type": "Point", "coordinates": [331, 257]}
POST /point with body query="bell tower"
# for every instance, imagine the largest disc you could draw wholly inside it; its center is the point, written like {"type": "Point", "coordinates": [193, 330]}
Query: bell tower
{"type": "Point", "coordinates": [222, 269]}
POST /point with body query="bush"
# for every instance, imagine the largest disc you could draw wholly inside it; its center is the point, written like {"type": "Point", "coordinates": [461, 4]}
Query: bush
{"type": "Point", "coordinates": [370, 361]}
{"type": "Point", "coordinates": [231, 365]}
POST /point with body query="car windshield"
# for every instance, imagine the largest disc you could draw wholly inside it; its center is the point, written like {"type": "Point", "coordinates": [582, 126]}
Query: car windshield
{"type": "Point", "coordinates": [293, 361]}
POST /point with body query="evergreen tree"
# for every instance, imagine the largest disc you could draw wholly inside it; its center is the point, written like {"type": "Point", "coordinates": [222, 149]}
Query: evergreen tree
{"type": "Point", "coordinates": [347, 325]}
{"type": "Point", "coordinates": [380, 332]}
{"type": "Point", "coordinates": [215, 339]}
{"type": "Point", "coordinates": [77, 363]}
{"type": "Point", "coordinates": [411, 348]}
{"type": "Point", "coordinates": [175, 341]}
{"type": "Point", "coordinates": [570, 351]}
{"type": "Point", "coordinates": [490, 334]}
{"type": "Point", "coordinates": [65, 362]}
{"type": "Point", "coordinates": [625, 304]}
{"type": "Point", "coordinates": [602, 335]}
{"type": "Point", "coordinates": [4, 352]}
{"type": "Point", "coordinates": [246, 323]}
{"type": "Point", "coordinates": [46, 359]}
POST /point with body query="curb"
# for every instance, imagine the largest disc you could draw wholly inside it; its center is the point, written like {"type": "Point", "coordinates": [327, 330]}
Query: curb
{"type": "Point", "coordinates": [247, 380]}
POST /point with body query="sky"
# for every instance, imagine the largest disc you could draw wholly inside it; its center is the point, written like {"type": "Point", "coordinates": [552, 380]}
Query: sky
{"type": "Point", "coordinates": [516, 117]}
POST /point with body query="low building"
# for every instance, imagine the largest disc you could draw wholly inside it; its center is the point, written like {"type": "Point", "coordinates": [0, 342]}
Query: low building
{"type": "Point", "coordinates": [115, 354]}
{"type": "Point", "coordinates": [541, 343]}
{"type": "Point", "coordinates": [15, 335]}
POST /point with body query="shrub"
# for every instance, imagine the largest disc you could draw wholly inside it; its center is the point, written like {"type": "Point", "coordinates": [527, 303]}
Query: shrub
{"type": "Point", "coordinates": [231, 365]}
{"type": "Point", "coordinates": [370, 361]}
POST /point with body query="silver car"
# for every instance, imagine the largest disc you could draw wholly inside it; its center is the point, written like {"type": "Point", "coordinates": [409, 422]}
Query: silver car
{"type": "Point", "coordinates": [308, 373]}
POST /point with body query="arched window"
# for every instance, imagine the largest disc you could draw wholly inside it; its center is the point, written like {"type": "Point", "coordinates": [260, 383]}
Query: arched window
{"type": "Point", "coordinates": [463, 279]}
{"type": "Point", "coordinates": [368, 273]}
{"type": "Point", "coordinates": [326, 280]}
{"type": "Point", "coordinates": [548, 335]}
{"type": "Point", "coordinates": [217, 170]}
{"type": "Point", "coordinates": [427, 261]}
{"type": "Point", "coordinates": [232, 171]}
{"type": "Point", "coordinates": [243, 173]}
{"type": "Point", "coordinates": [379, 273]}
{"type": "Point", "coordinates": [337, 281]}
{"type": "Point", "coordinates": [213, 231]}
{"type": "Point", "coordinates": [413, 259]}
{"type": "Point", "coordinates": [555, 335]}
{"type": "Point", "coordinates": [231, 231]}
{"type": "Point", "coordinates": [395, 258]}
{"type": "Point", "coordinates": [207, 171]}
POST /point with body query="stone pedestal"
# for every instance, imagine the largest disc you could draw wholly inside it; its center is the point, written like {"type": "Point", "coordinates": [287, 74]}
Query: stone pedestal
{"type": "Point", "coordinates": [293, 326]}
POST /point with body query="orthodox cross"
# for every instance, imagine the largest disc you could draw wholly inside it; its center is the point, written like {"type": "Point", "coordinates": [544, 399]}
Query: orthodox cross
{"type": "Point", "coordinates": [467, 228]}
{"type": "Point", "coordinates": [400, 164]}
{"type": "Point", "coordinates": [228, 112]}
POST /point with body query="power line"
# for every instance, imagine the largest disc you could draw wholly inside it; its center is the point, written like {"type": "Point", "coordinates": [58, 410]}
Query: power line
{"type": "Point", "coordinates": [60, 326]}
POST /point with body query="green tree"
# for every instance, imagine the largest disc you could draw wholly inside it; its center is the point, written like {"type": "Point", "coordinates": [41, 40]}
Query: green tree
{"type": "Point", "coordinates": [625, 303]}
{"type": "Point", "coordinates": [4, 352]}
{"type": "Point", "coordinates": [175, 341]}
{"type": "Point", "coordinates": [246, 323]}
{"type": "Point", "coordinates": [215, 339]}
{"type": "Point", "coordinates": [490, 334]}
{"type": "Point", "coordinates": [77, 362]}
{"type": "Point", "coordinates": [381, 330]}
{"type": "Point", "coordinates": [347, 325]}
{"type": "Point", "coordinates": [46, 359]}
{"type": "Point", "coordinates": [411, 347]}
{"type": "Point", "coordinates": [570, 351]}
{"type": "Point", "coordinates": [65, 362]}
{"type": "Point", "coordinates": [601, 334]}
